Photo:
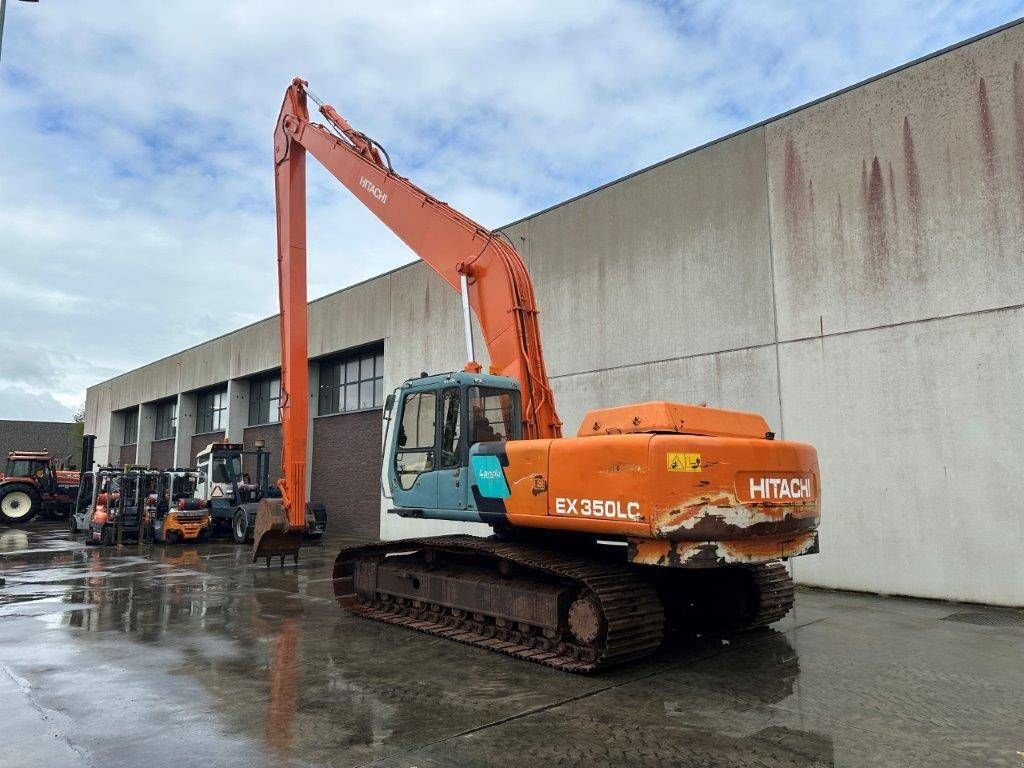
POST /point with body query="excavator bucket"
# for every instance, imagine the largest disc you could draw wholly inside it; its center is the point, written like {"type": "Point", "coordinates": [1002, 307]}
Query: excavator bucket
{"type": "Point", "coordinates": [273, 535]}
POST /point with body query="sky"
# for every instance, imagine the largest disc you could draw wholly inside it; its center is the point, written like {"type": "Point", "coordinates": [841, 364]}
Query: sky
{"type": "Point", "coordinates": [136, 177]}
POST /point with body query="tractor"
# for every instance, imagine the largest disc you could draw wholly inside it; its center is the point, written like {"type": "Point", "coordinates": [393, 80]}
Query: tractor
{"type": "Point", "coordinates": [33, 483]}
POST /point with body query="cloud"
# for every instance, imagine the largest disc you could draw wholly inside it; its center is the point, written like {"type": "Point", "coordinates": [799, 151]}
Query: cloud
{"type": "Point", "coordinates": [137, 188]}
{"type": "Point", "coordinates": [19, 405]}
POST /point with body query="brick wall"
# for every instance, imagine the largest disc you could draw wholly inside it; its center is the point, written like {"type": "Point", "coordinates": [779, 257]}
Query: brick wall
{"type": "Point", "coordinates": [202, 440]}
{"type": "Point", "coordinates": [270, 434]}
{"type": "Point", "coordinates": [346, 472]}
{"type": "Point", "coordinates": [57, 437]}
{"type": "Point", "coordinates": [162, 454]}
{"type": "Point", "coordinates": [127, 455]}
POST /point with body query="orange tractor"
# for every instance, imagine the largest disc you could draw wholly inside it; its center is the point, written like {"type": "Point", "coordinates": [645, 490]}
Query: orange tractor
{"type": "Point", "coordinates": [655, 514]}
{"type": "Point", "coordinates": [33, 483]}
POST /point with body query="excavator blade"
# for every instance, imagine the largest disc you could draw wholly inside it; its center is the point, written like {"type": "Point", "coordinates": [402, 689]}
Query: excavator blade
{"type": "Point", "coordinates": [273, 536]}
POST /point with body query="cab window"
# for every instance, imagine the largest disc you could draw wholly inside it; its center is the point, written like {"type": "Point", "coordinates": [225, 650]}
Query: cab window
{"type": "Point", "coordinates": [23, 468]}
{"type": "Point", "coordinates": [493, 415]}
{"type": "Point", "coordinates": [451, 429]}
{"type": "Point", "coordinates": [416, 431]}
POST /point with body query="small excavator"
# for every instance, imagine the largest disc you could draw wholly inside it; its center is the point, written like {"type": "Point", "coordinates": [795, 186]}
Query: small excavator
{"type": "Point", "coordinates": [655, 517]}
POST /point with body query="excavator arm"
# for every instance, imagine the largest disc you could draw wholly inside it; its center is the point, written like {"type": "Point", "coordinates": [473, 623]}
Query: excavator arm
{"type": "Point", "coordinates": [461, 251]}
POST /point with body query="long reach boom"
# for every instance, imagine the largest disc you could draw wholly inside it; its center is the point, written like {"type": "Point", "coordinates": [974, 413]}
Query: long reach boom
{"type": "Point", "coordinates": [467, 255]}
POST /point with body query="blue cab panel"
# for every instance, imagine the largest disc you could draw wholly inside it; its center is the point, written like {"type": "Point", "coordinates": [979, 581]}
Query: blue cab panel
{"type": "Point", "coordinates": [456, 472]}
{"type": "Point", "coordinates": [489, 477]}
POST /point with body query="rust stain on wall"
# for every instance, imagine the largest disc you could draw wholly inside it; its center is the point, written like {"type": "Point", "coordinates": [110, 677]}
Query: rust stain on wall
{"type": "Point", "coordinates": [987, 129]}
{"type": "Point", "coordinates": [894, 206]}
{"type": "Point", "coordinates": [914, 199]}
{"type": "Point", "coordinates": [874, 203]}
{"type": "Point", "coordinates": [798, 195]}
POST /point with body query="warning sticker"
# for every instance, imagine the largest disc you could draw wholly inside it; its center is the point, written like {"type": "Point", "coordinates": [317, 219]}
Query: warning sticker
{"type": "Point", "coordinates": [683, 462]}
{"type": "Point", "coordinates": [218, 491]}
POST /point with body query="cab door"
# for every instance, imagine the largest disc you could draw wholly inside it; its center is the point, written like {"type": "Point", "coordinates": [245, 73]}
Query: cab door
{"type": "Point", "coordinates": [452, 472]}
{"type": "Point", "coordinates": [48, 478]}
{"type": "Point", "coordinates": [413, 470]}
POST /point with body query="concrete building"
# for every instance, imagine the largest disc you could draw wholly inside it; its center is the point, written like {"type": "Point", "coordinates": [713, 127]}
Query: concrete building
{"type": "Point", "coordinates": [62, 439]}
{"type": "Point", "coordinates": [853, 270]}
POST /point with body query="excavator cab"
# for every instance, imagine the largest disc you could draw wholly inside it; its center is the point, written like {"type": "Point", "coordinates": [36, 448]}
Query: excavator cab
{"type": "Point", "coordinates": [443, 431]}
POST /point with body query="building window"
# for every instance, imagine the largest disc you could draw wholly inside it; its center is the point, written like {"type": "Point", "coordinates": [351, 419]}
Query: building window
{"type": "Point", "coordinates": [211, 410]}
{"type": "Point", "coordinates": [131, 427]}
{"type": "Point", "coordinates": [351, 383]}
{"type": "Point", "coordinates": [166, 419]}
{"type": "Point", "coordinates": [265, 400]}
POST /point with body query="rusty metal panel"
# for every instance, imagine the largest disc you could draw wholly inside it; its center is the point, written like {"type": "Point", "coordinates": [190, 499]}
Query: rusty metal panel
{"type": "Point", "coordinates": [706, 554]}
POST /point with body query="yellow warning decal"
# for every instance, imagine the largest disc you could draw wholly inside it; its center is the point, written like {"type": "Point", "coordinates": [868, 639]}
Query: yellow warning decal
{"type": "Point", "coordinates": [683, 462]}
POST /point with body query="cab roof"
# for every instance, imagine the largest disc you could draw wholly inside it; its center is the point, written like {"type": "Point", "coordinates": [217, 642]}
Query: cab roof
{"type": "Point", "coordinates": [460, 378]}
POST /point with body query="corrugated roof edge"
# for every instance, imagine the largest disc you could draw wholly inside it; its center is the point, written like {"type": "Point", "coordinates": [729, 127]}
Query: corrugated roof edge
{"type": "Point", "coordinates": [754, 126]}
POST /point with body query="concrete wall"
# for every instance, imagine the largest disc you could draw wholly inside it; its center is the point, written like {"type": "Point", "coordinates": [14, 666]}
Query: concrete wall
{"type": "Point", "coordinates": [853, 270]}
{"type": "Point", "coordinates": [61, 439]}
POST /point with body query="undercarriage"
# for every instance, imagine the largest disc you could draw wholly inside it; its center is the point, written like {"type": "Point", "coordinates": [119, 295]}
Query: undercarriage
{"type": "Point", "coordinates": [575, 608]}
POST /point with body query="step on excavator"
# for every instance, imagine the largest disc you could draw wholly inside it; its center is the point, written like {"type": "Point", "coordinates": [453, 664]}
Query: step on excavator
{"type": "Point", "coordinates": [655, 517]}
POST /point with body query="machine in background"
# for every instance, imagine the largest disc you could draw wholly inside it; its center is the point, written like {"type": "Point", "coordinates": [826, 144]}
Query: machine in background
{"type": "Point", "coordinates": [117, 517]}
{"type": "Point", "coordinates": [233, 498]}
{"type": "Point", "coordinates": [35, 483]}
{"type": "Point", "coordinates": [96, 489]}
{"type": "Point", "coordinates": [177, 516]}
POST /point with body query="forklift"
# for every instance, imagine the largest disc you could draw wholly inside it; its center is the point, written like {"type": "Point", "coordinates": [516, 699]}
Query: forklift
{"type": "Point", "coordinates": [120, 518]}
{"type": "Point", "coordinates": [95, 488]}
{"type": "Point", "coordinates": [177, 515]}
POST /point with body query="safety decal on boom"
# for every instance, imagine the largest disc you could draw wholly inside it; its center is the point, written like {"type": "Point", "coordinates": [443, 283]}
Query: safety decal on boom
{"type": "Point", "coordinates": [683, 462]}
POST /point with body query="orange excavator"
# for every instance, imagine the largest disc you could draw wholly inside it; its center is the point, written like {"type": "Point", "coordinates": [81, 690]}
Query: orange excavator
{"type": "Point", "coordinates": [656, 516]}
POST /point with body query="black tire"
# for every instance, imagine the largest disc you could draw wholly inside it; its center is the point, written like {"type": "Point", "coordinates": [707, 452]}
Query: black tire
{"type": "Point", "coordinates": [240, 527]}
{"type": "Point", "coordinates": [19, 503]}
{"type": "Point", "coordinates": [203, 536]}
{"type": "Point", "coordinates": [172, 537]}
{"type": "Point", "coordinates": [109, 537]}
{"type": "Point", "coordinates": [73, 525]}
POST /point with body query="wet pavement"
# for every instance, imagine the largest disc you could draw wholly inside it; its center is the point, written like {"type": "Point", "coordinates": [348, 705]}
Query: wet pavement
{"type": "Point", "coordinates": [186, 656]}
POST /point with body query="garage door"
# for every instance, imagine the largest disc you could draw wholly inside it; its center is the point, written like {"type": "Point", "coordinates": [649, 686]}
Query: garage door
{"type": "Point", "coordinates": [346, 472]}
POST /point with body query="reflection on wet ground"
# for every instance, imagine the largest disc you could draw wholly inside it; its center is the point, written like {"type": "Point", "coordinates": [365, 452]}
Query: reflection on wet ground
{"type": "Point", "coordinates": [184, 656]}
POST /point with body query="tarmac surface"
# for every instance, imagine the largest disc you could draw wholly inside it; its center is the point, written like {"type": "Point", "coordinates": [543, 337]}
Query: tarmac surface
{"type": "Point", "coordinates": [185, 656]}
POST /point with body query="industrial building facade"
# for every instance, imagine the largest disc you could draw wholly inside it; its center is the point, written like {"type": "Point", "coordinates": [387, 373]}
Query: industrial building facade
{"type": "Point", "coordinates": [852, 270]}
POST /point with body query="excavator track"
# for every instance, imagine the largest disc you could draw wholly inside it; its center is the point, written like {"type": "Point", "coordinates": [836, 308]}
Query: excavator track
{"type": "Point", "coordinates": [608, 614]}
{"type": "Point", "coordinates": [724, 601]}
{"type": "Point", "coordinates": [776, 593]}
